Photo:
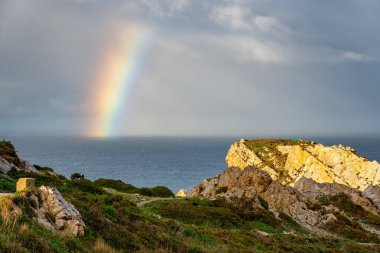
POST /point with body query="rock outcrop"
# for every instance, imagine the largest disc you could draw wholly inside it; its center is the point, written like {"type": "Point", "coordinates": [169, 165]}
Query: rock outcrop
{"type": "Point", "coordinates": [292, 177]}
{"type": "Point", "coordinates": [373, 194]}
{"type": "Point", "coordinates": [9, 159]}
{"type": "Point", "coordinates": [5, 166]}
{"type": "Point", "coordinates": [253, 184]}
{"type": "Point", "coordinates": [53, 211]}
{"type": "Point", "coordinates": [289, 161]}
{"type": "Point", "coordinates": [182, 193]}
{"type": "Point", "coordinates": [314, 191]}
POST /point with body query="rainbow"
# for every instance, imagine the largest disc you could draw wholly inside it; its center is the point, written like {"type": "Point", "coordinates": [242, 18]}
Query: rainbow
{"type": "Point", "coordinates": [118, 72]}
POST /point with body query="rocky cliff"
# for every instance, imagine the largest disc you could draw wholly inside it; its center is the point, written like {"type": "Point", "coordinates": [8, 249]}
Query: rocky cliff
{"type": "Point", "coordinates": [288, 161]}
{"type": "Point", "coordinates": [9, 159]}
{"type": "Point", "coordinates": [304, 180]}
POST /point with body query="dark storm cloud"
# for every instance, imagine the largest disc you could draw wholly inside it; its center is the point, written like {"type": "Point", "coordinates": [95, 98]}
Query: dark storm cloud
{"type": "Point", "coordinates": [218, 67]}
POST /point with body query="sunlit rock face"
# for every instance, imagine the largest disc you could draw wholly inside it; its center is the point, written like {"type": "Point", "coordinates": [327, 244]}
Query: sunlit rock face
{"type": "Point", "coordinates": [293, 177]}
{"type": "Point", "coordinates": [297, 159]}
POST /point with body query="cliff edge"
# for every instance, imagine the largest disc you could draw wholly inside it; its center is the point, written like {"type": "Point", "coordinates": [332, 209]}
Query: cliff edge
{"type": "Point", "coordinates": [288, 161]}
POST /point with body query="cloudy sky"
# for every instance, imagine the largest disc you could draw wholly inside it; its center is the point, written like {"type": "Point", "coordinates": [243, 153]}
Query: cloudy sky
{"type": "Point", "coordinates": [248, 67]}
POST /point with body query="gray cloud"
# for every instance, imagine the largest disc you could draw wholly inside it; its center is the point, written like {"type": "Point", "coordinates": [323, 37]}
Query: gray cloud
{"type": "Point", "coordinates": [217, 68]}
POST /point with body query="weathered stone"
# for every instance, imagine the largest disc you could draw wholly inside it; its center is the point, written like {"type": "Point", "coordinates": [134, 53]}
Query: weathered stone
{"type": "Point", "coordinates": [373, 193]}
{"type": "Point", "coordinates": [56, 213]}
{"type": "Point", "coordinates": [25, 184]}
{"type": "Point", "coordinates": [314, 190]}
{"type": "Point", "coordinates": [182, 193]}
{"type": "Point", "coordinates": [250, 184]}
{"type": "Point", "coordinates": [291, 176]}
{"type": "Point", "coordinates": [335, 164]}
{"type": "Point", "coordinates": [5, 166]}
{"type": "Point", "coordinates": [28, 167]}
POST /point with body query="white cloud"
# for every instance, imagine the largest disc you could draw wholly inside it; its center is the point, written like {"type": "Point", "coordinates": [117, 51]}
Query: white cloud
{"type": "Point", "coordinates": [353, 56]}
{"type": "Point", "coordinates": [269, 24]}
{"type": "Point", "coordinates": [233, 16]}
{"type": "Point", "coordinates": [179, 49]}
{"type": "Point", "coordinates": [249, 49]}
{"type": "Point", "coordinates": [166, 8]}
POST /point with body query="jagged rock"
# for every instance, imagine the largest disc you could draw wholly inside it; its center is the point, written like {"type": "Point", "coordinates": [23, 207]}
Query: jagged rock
{"type": "Point", "coordinates": [252, 183]}
{"type": "Point", "coordinates": [28, 167]}
{"type": "Point", "coordinates": [54, 212]}
{"type": "Point", "coordinates": [239, 155]}
{"type": "Point", "coordinates": [314, 190]}
{"type": "Point", "coordinates": [373, 193]}
{"type": "Point", "coordinates": [291, 176]}
{"type": "Point", "coordinates": [182, 193]}
{"type": "Point", "coordinates": [335, 164]}
{"type": "Point", "coordinates": [5, 166]}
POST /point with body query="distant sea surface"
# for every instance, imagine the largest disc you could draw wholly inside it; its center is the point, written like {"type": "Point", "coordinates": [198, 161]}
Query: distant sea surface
{"type": "Point", "coordinates": [142, 161]}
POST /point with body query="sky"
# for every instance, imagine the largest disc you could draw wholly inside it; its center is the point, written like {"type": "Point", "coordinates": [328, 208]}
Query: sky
{"type": "Point", "coordinates": [189, 68]}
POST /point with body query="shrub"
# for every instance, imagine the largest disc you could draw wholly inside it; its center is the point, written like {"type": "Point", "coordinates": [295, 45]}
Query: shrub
{"type": "Point", "coordinates": [7, 184]}
{"type": "Point", "coordinates": [161, 191]}
{"type": "Point", "coordinates": [110, 212]}
{"type": "Point", "coordinates": [194, 212]}
{"type": "Point", "coordinates": [76, 175]}
{"type": "Point", "coordinates": [145, 191]}
{"type": "Point", "coordinates": [43, 169]}
{"type": "Point", "coordinates": [116, 185]}
{"type": "Point", "coordinates": [86, 186]}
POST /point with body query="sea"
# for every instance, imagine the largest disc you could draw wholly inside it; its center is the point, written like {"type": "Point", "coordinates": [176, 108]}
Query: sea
{"type": "Point", "coordinates": [175, 162]}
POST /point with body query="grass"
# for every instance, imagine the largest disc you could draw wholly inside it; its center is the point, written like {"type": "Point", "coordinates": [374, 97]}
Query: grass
{"type": "Point", "coordinates": [7, 184]}
{"type": "Point", "coordinates": [118, 185]}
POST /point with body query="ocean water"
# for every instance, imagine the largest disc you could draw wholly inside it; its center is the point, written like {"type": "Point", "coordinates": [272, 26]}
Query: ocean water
{"type": "Point", "coordinates": [173, 162]}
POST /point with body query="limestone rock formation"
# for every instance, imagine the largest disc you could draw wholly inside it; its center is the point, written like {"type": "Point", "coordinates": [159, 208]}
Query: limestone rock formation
{"type": "Point", "coordinates": [292, 176]}
{"type": "Point", "coordinates": [252, 184]}
{"type": "Point", "coordinates": [314, 190]}
{"type": "Point", "coordinates": [373, 194]}
{"type": "Point", "coordinates": [182, 193]}
{"type": "Point", "coordinates": [53, 211]}
{"type": "Point", "coordinates": [5, 166]}
{"type": "Point", "coordinates": [289, 161]}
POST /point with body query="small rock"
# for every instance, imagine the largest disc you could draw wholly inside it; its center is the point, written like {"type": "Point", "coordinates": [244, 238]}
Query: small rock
{"type": "Point", "coordinates": [182, 193]}
{"type": "Point", "coordinates": [25, 184]}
